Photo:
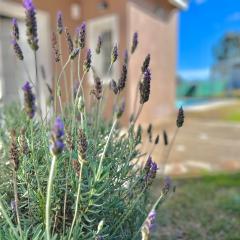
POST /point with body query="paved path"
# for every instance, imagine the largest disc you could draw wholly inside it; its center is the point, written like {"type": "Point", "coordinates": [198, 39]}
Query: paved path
{"type": "Point", "coordinates": [202, 146]}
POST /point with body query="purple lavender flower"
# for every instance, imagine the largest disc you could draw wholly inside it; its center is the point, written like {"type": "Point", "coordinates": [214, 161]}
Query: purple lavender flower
{"type": "Point", "coordinates": [150, 170]}
{"type": "Point", "coordinates": [55, 48]}
{"type": "Point", "coordinates": [17, 50]}
{"type": "Point", "coordinates": [146, 63]}
{"type": "Point", "coordinates": [98, 88]}
{"type": "Point", "coordinates": [148, 164]}
{"type": "Point", "coordinates": [156, 140]}
{"type": "Point", "coordinates": [148, 224]}
{"type": "Point", "coordinates": [144, 87]}
{"type": "Point", "coordinates": [180, 117]}
{"type": "Point", "coordinates": [59, 22]}
{"type": "Point", "coordinates": [125, 57]}
{"type": "Point", "coordinates": [74, 53]}
{"type": "Point", "coordinates": [99, 45]}
{"type": "Point", "coordinates": [134, 42]}
{"type": "Point", "coordinates": [153, 171]}
{"type": "Point", "coordinates": [165, 137]}
{"type": "Point", "coordinates": [119, 109]}
{"type": "Point", "coordinates": [167, 184]}
{"type": "Point", "coordinates": [14, 153]}
{"type": "Point", "coordinates": [15, 29]}
{"type": "Point", "coordinates": [114, 87]}
{"type": "Point", "coordinates": [81, 35]}
{"type": "Point", "coordinates": [82, 144]}
{"type": "Point", "coordinates": [31, 23]}
{"type": "Point", "coordinates": [57, 145]}
{"type": "Point", "coordinates": [88, 61]}
{"type": "Point", "coordinates": [114, 54]}
{"type": "Point", "coordinates": [123, 78]}
{"type": "Point", "coordinates": [69, 41]}
{"type": "Point", "coordinates": [29, 100]}
{"type": "Point", "coordinates": [150, 132]}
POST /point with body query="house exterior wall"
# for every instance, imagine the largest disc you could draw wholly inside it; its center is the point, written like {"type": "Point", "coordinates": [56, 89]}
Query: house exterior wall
{"type": "Point", "coordinates": [52, 7]}
{"type": "Point", "coordinates": [157, 36]}
{"type": "Point", "coordinates": [91, 12]}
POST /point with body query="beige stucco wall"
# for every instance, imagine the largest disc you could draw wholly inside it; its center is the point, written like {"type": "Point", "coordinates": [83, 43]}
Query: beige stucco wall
{"type": "Point", "coordinates": [158, 37]}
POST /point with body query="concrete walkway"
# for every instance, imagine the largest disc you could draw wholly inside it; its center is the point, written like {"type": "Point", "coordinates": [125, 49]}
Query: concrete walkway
{"type": "Point", "coordinates": [201, 147]}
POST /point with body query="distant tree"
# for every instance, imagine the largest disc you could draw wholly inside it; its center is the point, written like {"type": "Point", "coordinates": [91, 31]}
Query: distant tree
{"type": "Point", "coordinates": [228, 47]}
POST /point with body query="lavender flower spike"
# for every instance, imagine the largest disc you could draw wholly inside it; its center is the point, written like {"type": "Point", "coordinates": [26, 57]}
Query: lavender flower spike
{"type": "Point", "coordinates": [144, 87]}
{"type": "Point", "coordinates": [148, 225]}
{"type": "Point", "coordinates": [123, 78]}
{"type": "Point", "coordinates": [99, 45]}
{"type": "Point", "coordinates": [125, 57]}
{"type": "Point", "coordinates": [180, 118]}
{"type": "Point", "coordinates": [57, 145]}
{"type": "Point", "coordinates": [60, 26]}
{"type": "Point", "coordinates": [134, 42]}
{"type": "Point", "coordinates": [29, 100]}
{"type": "Point", "coordinates": [17, 50]}
{"type": "Point", "coordinates": [88, 62]}
{"type": "Point", "coordinates": [69, 41]}
{"type": "Point", "coordinates": [114, 54]}
{"type": "Point", "coordinates": [150, 169]}
{"type": "Point", "coordinates": [119, 109]}
{"type": "Point", "coordinates": [82, 35]}
{"type": "Point", "coordinates": [31, 24]}
{"type": "Point", "coordinates": [146, 63]}
{"type": "Point", "coordinates": [15, 29]}
{"type": "Point", "coordinates": [55, 48]}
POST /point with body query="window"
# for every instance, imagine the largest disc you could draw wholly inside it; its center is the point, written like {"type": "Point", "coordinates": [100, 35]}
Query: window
{"type": "Point", "coordinates": [106, 52]}
{"type": "Point", "coordinates": [12, 72]}
{"type": "Point", "coordinates": [107, 28]}
{"type": "Point", "coordinates": [11, 81]}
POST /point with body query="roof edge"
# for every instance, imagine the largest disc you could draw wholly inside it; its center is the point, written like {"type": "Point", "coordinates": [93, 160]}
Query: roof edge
{"type": "Point", "coordinates": [181, 4]}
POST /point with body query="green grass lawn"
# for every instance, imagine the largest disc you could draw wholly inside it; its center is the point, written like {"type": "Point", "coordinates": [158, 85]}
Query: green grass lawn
{"type": "Point", "coordinates": [206, 208]}
{"type": "Point", "coordinates": [229, 113]}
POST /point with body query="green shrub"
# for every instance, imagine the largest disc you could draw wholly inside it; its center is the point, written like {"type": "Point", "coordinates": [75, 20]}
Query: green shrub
{"type": "Point", "coordinates": [75, 176]}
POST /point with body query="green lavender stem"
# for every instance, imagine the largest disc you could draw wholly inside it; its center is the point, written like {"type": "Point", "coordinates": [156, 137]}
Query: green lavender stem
{"type": "Point", "coordinates": [37, 84]}
{"type": "Point", "coordinates": [28, 74]}
{"type": "Point", "coordinates": [16, 201]}
{"type": "Point", "coordinates": [105, 149]}
{"type": "Point", "coordinates": [78, 67]}
{"type": "Point", "coordinates": [77, 201]}
{"type": "Point", "coordinates": [8, 220]}
{"type": "Point", "coordinates": [136, 95]}
{"type": "Point", "coordinates": [48, 198]}
{"type": "Point", "coordinates": [123, 219]}
{"type": "Point", "coordinates": [33, 156]}
{"type": "Point", "coordinates": [167, 153]}
{"type": "Point", "coordinates": [63, 70]}
{"type": "Point", "coordinates": [138, 114]}
{"type": "Point", "coordinates": [155, 206]}
{"type": "Point", "coordinates": [61, 61]}
{"type": "Point", "coordinates": [71, 77]}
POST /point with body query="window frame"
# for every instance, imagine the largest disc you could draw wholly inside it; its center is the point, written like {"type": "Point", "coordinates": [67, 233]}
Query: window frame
{"type": "Point", "coordinates": [95, 27]}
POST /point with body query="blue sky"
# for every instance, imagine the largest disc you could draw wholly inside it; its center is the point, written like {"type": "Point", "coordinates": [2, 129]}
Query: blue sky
{"type": "Point", "coordinates": [201, 26]}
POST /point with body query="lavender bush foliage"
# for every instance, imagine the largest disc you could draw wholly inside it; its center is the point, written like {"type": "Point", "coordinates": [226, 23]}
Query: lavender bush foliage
{"type": "Point", "coordinates": [76, 176]}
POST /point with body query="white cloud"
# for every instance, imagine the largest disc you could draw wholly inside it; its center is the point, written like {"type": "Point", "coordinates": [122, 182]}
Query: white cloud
{"type": "Point", "coordinates": [199, 2]}
{"type": "Point", "coordinates": [234, 17]}
{"type": "Point", "coordinates": [195, 74]}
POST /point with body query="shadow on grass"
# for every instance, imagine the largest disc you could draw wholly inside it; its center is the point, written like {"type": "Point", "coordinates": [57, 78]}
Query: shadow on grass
{"type": "Point", "coordinates": [206, 208]}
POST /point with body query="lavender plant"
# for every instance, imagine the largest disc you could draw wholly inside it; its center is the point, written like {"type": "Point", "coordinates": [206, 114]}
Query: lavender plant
{"type": "Point", "coordinates": [76, 175]}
